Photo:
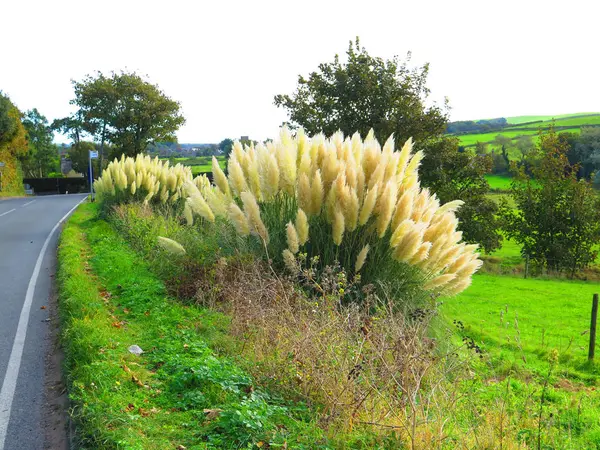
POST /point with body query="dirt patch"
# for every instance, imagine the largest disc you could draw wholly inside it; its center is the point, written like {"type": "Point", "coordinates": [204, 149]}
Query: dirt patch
{"type": "Point", "coordinates": [56, 400]}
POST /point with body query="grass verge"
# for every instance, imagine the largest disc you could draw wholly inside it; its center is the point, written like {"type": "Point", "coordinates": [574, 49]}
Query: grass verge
{"type": "Point", "coordinates": [185, 390]}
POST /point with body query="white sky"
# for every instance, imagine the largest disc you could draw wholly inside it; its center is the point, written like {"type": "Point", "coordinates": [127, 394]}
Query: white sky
{"type": "Point", "coordinates": [225, 60]}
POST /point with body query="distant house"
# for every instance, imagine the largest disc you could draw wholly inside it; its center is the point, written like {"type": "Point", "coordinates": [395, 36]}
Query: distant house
{"type": "Point", "coordinates": [65, 164]}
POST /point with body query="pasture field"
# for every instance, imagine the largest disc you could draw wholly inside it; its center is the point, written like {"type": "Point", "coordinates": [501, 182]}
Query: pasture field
{"type": "Point", "coordinates": [200, 164]}
{"type": "Point", "coordinates": [520, 320]}
{"type": "Point", "coordinates": [516, 120]}
{"type": "Point", "coordinates": [573, 122]}
{"type": "Point", "coordinates": [472, 139]}
{"type": "Point", "coordinates": [469, 140]}
{"type": "Point", "coordinates": [499, 182]}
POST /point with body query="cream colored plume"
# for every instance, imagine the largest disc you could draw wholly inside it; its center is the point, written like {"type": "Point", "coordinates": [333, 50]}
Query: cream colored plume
{"type": "Point", "coordinates": [302, 227]}
{"type": "Point", "coordinates": [171, 246]}
{"type": "Point", "coordinates": [361, 258]}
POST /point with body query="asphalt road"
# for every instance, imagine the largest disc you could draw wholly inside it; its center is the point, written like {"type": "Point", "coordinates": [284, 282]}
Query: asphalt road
{"type": "Point", "coordinates": [26, 271]}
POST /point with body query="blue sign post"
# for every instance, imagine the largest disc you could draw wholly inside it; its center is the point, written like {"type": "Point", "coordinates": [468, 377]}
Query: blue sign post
{"type": "Point", "coordinates": [93, 155]}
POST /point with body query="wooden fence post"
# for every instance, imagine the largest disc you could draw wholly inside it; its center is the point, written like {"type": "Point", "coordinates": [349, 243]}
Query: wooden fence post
{"type": "Point", "coordinates": [592, 349]}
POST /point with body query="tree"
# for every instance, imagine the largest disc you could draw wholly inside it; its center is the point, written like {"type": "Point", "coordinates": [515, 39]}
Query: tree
{"type": "Point", "coordinates": [125, 110]}
{"type": "Point", "coordinates": [525, 146]}
{"type": "Point", "coordinates": [72, 126]}
{"type": "Point", "coordinates": [9, 120]}
{"type": "Point", "coordinates": [42, 157]}
{"type": "Point", "coordinates": [504, 143]}
{"type": "Point", "coordinates": [363, 93]}
{"type": "Point", "coordinates": [557, 220]}
{"type": "Point", "coordinates": [143, 114]}
{"type": "Point", "coordinates": [79, 157]}
{"type": "Point", "coordinates": [585, 150]}
{"type": "Point", "coordinates": [481, 148]}
{"type": "Point", "coordinates": [452, 175]}
{"type": "Point", "coordinates": [369, 92]}
{"type": "Point", "coordinates": [225, 146]}
{"type": "Point", "coordinates": [13, 144]}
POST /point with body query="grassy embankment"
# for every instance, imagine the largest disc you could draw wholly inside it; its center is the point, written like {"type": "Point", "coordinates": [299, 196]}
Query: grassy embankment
{"type": "Point", "coordinates": [185, 390]}
{"type": "Point", "coordinates": [189, 390]}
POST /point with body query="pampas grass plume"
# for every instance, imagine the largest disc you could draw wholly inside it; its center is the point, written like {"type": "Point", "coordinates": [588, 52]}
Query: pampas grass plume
{"type": "Point", "coordinates": [171, 246]}
{"type": "Point", "coordinates": [361, 258]}
{"type": "Point", "coordinates": [302, 226]}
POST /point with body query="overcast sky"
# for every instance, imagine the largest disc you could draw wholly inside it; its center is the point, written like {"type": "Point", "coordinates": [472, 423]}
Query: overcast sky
{"type": "Point", "coordinates": [225, 60]}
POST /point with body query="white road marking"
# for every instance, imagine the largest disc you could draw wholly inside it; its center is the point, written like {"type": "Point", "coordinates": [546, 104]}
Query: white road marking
{"type": "Point", "coordinates": [28, 203]}
{"type": "Point", "coordinates": [14, 363]}
{"type": "Point", "coordinates": [5, 213]}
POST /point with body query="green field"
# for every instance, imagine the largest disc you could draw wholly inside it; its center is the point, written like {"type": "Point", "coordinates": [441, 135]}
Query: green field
{"type": "Point", "coordinates": [519, 126]}
{"type": "Point", "coordinates": [520, 320]}
{"type": "Point", "coordinates": [524, 119]}
{"type": "Point", "coordinates": [200, 164]}
{"type": "Point", "coordinates": [468, 140]}
{"type": "Point", "coordinates": [499, 182]}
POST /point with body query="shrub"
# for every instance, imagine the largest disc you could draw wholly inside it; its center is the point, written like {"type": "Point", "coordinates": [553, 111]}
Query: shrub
{"type": "Point", "coordinates": [142, 179]}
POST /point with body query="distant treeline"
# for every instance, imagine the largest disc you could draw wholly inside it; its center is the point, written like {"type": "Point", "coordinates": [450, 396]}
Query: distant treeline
{"type": "Point", "coordinates": [476, 126]}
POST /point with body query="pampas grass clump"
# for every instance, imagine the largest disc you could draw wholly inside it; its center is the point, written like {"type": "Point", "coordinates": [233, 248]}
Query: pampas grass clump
{"type": "Point", "coordinates": [346, 200]}
{"type": "Point", "coordinates": [142, 178]}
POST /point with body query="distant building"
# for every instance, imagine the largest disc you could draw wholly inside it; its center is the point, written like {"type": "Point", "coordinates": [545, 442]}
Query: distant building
{"type": "Point", "coordinates": [244, 138]}
{"type": "Point", "coordinates": [65, 164]}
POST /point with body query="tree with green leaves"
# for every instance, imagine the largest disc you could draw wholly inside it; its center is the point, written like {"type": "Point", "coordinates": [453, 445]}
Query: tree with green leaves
{"type": "Point", "coordinates": [79, 155]}
{"type": "Point", "coordinates": [13, 144]}
{"type": "Point", "coordinates": [585, 150]}
{"type": "Point", "coordinates": [125, 110]}
{"type": "Point", "coordinates": [557, 219]}
{"type": "Point", "coordinates": [72, 126]}
{"type": "Point", "coordinates": [504, 143]}
{"type": "Point", "coordinates": [42, 157]}
{"type": "Point", "coordinates": [362, 93]}
{"type": "Point", "coordinates": [225, 147]}
{"type": "Point", "coordinates": [386, 95]}
{"type": "Point", "coordinates": [456, 175]}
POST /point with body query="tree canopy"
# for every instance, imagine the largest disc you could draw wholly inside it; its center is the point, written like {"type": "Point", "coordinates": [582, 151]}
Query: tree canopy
{"type": "Point", "coordinates": [363, 93]}
{"type": "Point", "coordinates": [122, 109]}
{"type": "Point", "coordinates": [42, 157]}
{"type": "Point", "coordinates": [558, 217]}
{"type": "Point", "coordinates": [456, 175]}
{"type": "Point", "coordinates": [386, 95]}
{"type": "Point", "coordinates": [13, 143]}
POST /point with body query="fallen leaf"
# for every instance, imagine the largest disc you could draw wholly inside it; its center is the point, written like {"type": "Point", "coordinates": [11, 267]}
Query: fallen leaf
{"type": "Point", "coordinates": [212, 413]}
{"type": "Point", "coordinates": [137, 381]}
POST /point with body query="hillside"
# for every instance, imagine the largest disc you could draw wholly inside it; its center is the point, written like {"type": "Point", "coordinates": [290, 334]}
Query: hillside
{"type": "Point", "coordinates": [516, 120]}
{"type": "Point", "coordinates": [530, 125]}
